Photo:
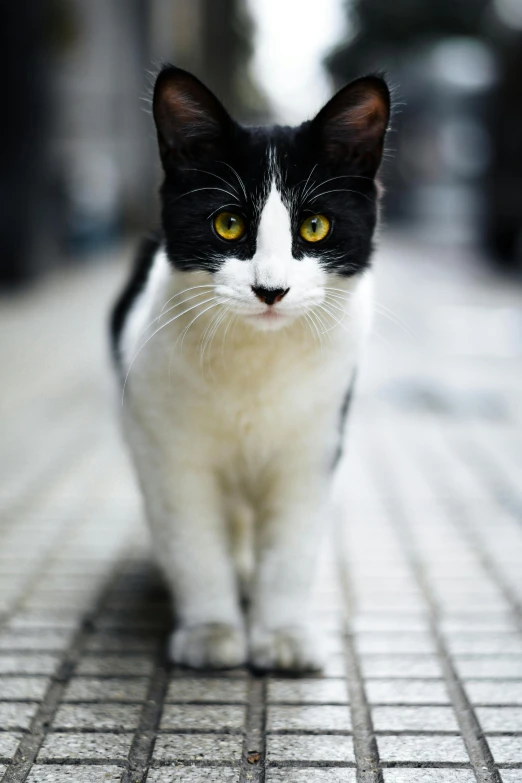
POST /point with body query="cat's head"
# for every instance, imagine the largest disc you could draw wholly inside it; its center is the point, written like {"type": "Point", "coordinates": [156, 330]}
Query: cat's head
{"type": "Point", "coordinates": [276, 215]}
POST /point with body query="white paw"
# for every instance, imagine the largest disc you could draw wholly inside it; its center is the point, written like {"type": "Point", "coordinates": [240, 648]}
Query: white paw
{"type": "Point", "coordinates": [289, 649]}
{"type": "Point", "coordinates": [209, 646]}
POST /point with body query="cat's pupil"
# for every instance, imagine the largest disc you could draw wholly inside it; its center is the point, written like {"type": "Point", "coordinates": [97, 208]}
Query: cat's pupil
{"type": "Point", "coordinates": [231, 222]}
{"type": "Point", "coordinates": [314, 225]}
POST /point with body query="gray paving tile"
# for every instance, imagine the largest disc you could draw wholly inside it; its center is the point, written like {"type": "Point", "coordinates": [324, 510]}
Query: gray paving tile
{"type": "Point", "coordinates": [489, 666]}
{"type": "Point", "coordinates": [384, 622]}
{"type": "Point", "coordinates": [310, 775]}
{"type": "Point", "coordinates": [2, 769]}
{"type": "Point", "coordinates": [20, 663]}
{"type": "Point", "coordinates": [406, 692]}
{"type": "Point", "coordinates": [507, 750]}
{"type": "Point", "coordinates": [511, 775]}
{"type": "Point", "coordinates": [21, 688]}
{"type": "Point", "coordinates": [207, 690]}
{"type": "Point", "coordinates": [73, 747]}
{"type": "Point", "coordinates": [393, 643]}
{"type": "Point", "coordinates": [403, 666]}
{"type": "Point", "coordinates": [323, 748]}
{"type": "Point", "coordinates": [194, 775]}
{"type": "Point", "coordinates": [97, 717]}
{"type": "Point", "coordinates": [49, 773]}
{"type": "Point", "coordinates": [116, 665]}
{"type": "Point", "coordinates": [319, 691]}
{"type": "Point", "coordinates": [502, 719]}
{"type": "Point", "coordinates": [8, 744]}
{"type": "Point", "coordinates": [422, 749]}
{"type": "Point", "coordinates": [121, 643]}
{"type": "Point", "coordinates": [414, 719]}
{"type": "Point", "coordinates": [198, 747]}
{"type": "Point", "coordinates": [494, 691]}
{"type": "Point", "coordinates": [94, 689]}
{"type": "Point", "coordinates": [16, 716]}
{"type": "Point", "coordinates": [318, 718]}
{"type": "Point", "coordinates": [48, 639]}
{"type": "Point", "coordinates": [203, 717]}
{"type": "Point", "coordinates": [334, 666]}
{"type": "Point", "coordinates": [484, 644]}
{"type": "Point", "coordinates": [428, 776]}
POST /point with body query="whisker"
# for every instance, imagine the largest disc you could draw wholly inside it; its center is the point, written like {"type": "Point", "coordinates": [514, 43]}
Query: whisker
{"type": "Point", "coordinates": [208, 334]}
{"type": "Point", "coordinates": [341, 190]}
{"type": "Point", "coordinates": [215, 303]}
{"type": "Point", "coordinates": [323, 325]}
{"type": "Point", "coordinates": [185, 291]}
{"type": "Point", "coordinates": [182, 336]}
{"type": "Point", "coordinates": [171, 320]}
{"type": "Point", "coordinates": [230, 321]}
{"type": "Point", "coordinates": [217, 323]}
{"type": "Point", "coordinates": [220, 208]}
{"type": "Point", "coordinates": [232, 169]}
{"type": "Point", "coordinates": [211, 174]}
{"type": "Point", "coordinates": [198, 190]}
{"type": "Point", "coordinates": [379, 307]}
{"type": "Point", "coordinates": [313, 327]}
{"type": "Point", "coordinates": [341, 176]}
{"type": "Point", "coordinates": [322, 307]}
{"type": "Point", "coordinates": [308, 180]}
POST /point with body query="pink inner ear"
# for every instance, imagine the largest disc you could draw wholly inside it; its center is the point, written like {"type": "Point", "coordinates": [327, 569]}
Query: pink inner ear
{"type": "Point", "coordinates": [367, 118]}
{"type": "Point", "coordinates": [182, 110]}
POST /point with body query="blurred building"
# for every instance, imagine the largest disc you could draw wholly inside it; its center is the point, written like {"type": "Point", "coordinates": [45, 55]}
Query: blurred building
{"type": "Point", "coordinates": [453, 164]}
{"type": "Point", "coordinates": [78, 153]}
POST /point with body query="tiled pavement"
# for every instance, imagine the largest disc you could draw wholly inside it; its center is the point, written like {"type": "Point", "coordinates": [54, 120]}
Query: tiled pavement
{"type": "Point", "coordinates": [423, 626]}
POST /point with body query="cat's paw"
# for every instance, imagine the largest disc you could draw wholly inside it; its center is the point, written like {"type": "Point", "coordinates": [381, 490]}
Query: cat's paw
{"type": "Point", "coordinates": [209, 646]}
{"type": "Point", "coordinates": [287, 649]}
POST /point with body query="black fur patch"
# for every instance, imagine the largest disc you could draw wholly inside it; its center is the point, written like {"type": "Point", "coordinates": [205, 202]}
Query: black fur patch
{"type": "Point", "coordinates": [134, 286]}
{"type": "Point", "coordinates": [343, 416]}
{"type": "Point", "coordinates": [325, 166]}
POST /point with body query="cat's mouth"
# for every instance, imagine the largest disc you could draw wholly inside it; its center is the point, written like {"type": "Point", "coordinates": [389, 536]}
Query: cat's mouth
{"type": "Point", "coordinates": [271, 318]}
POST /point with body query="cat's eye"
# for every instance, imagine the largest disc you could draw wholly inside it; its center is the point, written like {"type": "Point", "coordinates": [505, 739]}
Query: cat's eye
{"type": "Point", "coordinates": [229, 226]}
{"type": "Point", "coordinates": [314, 228]}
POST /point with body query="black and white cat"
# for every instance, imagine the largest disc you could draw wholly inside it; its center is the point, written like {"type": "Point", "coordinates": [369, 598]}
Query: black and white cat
{"type": "Point", "coordinates": [237, 340]}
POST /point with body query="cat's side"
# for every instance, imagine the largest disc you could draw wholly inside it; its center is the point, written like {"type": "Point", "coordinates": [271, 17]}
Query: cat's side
{"type": "Point", "coordinates": [237, 340]}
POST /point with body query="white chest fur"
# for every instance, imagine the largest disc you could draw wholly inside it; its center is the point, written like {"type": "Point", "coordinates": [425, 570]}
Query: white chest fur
{"type": "Point", "coordinates": [211, 384]}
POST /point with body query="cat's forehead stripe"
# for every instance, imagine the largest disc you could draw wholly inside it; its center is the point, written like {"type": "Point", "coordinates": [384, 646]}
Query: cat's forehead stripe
{"type": "Point", "coordinates": [274, 235]}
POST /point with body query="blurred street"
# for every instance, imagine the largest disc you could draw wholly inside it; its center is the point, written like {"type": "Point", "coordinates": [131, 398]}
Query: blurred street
{"type": "Point", "coordinates": [423, 627]}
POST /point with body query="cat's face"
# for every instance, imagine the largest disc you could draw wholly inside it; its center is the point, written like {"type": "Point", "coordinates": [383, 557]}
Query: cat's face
{"type": "Point", "coordinates": [275, 215]}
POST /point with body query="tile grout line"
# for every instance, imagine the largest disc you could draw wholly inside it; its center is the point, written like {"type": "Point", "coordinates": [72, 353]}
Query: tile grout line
{"type": "Point", "coordinates": [476, 744]}
{"type": "Point", "coordinates": [145, 735]}
{"type": "Point", "coordinates": [255, 733]}
{"type": "Point", "coordinates": [20, 765]}
{"type": "Point", "coordinates": [460, 518]}
{"type": "Point", "coordinates": [487, 470]}
{"type": "Point", "coordinates": [364, 739]}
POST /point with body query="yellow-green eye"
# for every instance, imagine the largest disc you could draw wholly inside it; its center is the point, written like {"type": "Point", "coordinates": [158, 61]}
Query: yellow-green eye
{"type": "Point", "coordinates": [314, 228]}
{"type": "Point", "coordinates": [229, 226]}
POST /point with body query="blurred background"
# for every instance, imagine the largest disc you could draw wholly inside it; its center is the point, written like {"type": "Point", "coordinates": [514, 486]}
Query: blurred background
{"type": "Point", "coordinates": [78, 168]}
{"type": "Point", "coordinates": [431, 487]}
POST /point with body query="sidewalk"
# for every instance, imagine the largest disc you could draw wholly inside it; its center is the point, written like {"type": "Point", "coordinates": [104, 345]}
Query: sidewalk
{"type": "Point", "coordinates": [423, 626]}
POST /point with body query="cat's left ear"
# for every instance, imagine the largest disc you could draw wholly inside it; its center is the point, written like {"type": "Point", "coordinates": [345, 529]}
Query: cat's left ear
{"type": "Point", "coordinates": [191, 122]}
{"type": "Point", "coordinates": [352, 126]}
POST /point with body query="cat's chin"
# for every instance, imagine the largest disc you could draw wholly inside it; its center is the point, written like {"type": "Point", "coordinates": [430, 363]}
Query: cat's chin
{"type": "Point", "coordinates": [269, 321]}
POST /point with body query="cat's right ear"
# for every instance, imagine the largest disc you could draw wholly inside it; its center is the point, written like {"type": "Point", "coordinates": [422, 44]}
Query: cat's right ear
{"type": "Point", "coordinates": [190, 121]}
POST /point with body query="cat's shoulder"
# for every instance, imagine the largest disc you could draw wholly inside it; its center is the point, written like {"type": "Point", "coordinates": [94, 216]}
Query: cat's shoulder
{"type": "Point", "coordinates": [143, 262]}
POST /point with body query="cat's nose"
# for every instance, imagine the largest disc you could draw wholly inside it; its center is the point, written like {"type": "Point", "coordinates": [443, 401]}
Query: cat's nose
{"type": "Point", "coordinates": [269, 295]}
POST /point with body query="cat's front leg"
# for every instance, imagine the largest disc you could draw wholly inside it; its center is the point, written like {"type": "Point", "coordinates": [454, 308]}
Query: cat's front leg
{"type": "Point", "coordinates": [289, 529]}
{"type": "Point", "coordinates": [191, 542]}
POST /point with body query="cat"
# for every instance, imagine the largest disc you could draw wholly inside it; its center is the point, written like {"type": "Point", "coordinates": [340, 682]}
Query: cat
{"type": "Point", "coordinates": [237, 339]}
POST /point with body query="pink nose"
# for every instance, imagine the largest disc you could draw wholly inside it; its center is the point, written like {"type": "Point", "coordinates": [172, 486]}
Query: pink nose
{"type": "Point", "coordinates": [270, 295]}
